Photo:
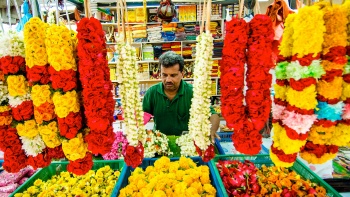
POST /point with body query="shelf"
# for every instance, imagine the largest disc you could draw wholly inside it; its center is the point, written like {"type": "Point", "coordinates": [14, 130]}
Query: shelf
{"type": "Point", "coordinates": [182, 41]}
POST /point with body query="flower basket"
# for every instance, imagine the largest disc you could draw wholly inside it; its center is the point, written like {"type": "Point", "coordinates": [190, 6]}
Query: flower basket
{"type": "Point", "coordinates": [259, 160]}
{"type": "Point", "coordinates": [56, 167]}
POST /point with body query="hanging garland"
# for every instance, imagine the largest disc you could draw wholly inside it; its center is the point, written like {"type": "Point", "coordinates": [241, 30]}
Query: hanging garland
{"type": "Point", "coordinates": [247, 121]}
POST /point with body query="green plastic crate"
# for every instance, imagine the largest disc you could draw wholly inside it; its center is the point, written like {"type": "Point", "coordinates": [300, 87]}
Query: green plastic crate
{"type": "Point", "coordinates": [55, 168]}
{"type": "Point", "coordinates": [259, 160]}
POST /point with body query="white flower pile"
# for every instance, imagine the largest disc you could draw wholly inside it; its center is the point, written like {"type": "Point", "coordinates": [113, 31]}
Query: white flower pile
{"type": "Point", "coordinates": [33, 146]}
{"type": "Point", "coordinates": [199, 124]}
{"type": "Point", "coordinates": [156, 143]}
{"type": "Point", "coordinates": [129, 92]}
{"type": "Point", "coordinates": [14, 101]}
{"type": "Point", "coordinates": [12, 44]}
{"type": "Point", "coordinates": [187, 148]}
{"type": "Point", "coordinates": [3, 93]}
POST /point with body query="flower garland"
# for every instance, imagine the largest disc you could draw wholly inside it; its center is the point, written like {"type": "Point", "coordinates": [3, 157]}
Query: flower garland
{"type": "Point", "coordinates": [295, 99]}
{"type": "Point", "coordinates": [132, 109]}
{"type": "Point", "coordinates": [247, 121]}
{"type": "Point", "coordinates": [187, 148]}
{"type": "Point", "coordinates": [199, 124]}
{"type": "Point", "coordinates": [329, 88]}
{"type": "Point", "coordinates": [156, 143]}
{"type": "Point", "coordinates": [118, 147]}
{"type": "Point", "coordinates": [97, 88]}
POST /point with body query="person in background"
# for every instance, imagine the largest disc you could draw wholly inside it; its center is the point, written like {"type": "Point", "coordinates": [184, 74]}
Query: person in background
{"type": "Point", "coordinates": [170, 100]}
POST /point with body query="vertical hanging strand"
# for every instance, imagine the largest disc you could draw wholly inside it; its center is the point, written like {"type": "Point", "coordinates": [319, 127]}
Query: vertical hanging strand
{"type": "Point", "coordinates": [9, 12]}
{"type": "Point", "coordinates": [18, 11]}
{"type": "Point", "coordinates": [57, 15]}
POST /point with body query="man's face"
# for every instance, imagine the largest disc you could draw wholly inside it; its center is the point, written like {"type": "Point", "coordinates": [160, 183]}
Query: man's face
{"type": "Point", "coordinates": [171, 77]}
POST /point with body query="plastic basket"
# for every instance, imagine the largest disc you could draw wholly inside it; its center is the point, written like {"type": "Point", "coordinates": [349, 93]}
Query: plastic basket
{"type": "Point", "coordinates": [259, 160]}
{"type": "Point", "coordinates": [56, 167]}
{"type": "Point", "coordinates": [226, 137]}
{"type": "Point", "coordinates": [127, 170]}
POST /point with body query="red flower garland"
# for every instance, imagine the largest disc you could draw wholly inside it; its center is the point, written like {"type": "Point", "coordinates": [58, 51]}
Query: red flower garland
{"type": "Point", "coordinates": [97, 87]}
{"type": "Point", "coordinates": [81, 166]}
{"type": "Point", "coordinates": [247, 121]}
{"type": "Point", "coordinates": [63, 79]}
{"type": "Point", "coordinates": [70, 125]}
{"type": "Point", "coordinates": [55, 153]}
{"type": "Point", "coordinates": [38, 74]}
{"type": "Point", "coordinates": [319, 150]}
{"type": "Point", "coordinates": [39, 161]}
{"type": "Point", "coordinates": [288, 158]}
{"type": "Point", "coordinates": [12, 65]}
{"type": "Point", "coordinates": [24, 111]}
{"type": "Point", "coordinates": [134, 155]}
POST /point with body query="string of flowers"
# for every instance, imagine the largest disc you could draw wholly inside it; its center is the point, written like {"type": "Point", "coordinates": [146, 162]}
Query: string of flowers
{"type": "Point", "coordinates": [97, 88]}
{"type": "Point", "coordinates": [156, 143]}
{"type": "Point", "coordinates": [118, 148]}
{"type": "Point", "coordinates": [199, 124]}
{"type": "Point", "coordinates": [14, 92]}
{"type": "Point", "coordinates": [132, 109]}
{"type": "Point", "coordinates": [295, 88]}
{"type": "Point", "coordinates": [187, 148]}
{"type": "Point", "coordinates": [247, 121]}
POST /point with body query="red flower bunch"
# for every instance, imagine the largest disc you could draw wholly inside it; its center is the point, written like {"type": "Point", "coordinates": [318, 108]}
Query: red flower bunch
{"type": "Point", "coordinates": [44, 112]}
{"type": "Point", "coordinates": [288, 158]}
{"type": "Point", "coordinates": [134, 155]}
{"type": "Point", "coordinates": [70, 125]}
{"type": "Point", "coordinates": [38, 74]}
{"type": "Point", "coordinates": [97, 88]}
{"type": "Point", "coordinates": [64, 79]}
{"type": "Point", "coordinates": [247, 121]}
{"type": "Point", "coordinates": [319, 150]}
{"type": "Point", "coordinates": [305, 60]}
{"type": "Point", "coordinates": [301, 84]}
{"type": "Point", "coordinates": [239, 178]}
{"type": "Point", "coordinates": [292, 134]}
{"type": "Point", "coordinates": [336, 55]}
{"type": "Point", "coordinates": [55, 153]}
{"type": "Point", "coordinates": [208, 154]}
{"type": "Point", "coordinates": [24, 111]}
{"type": "Point", "coordinates": [39, 161]}
{"type": "Point", "coordinates": [12, 65]}
{"type": "Point", "coordinates": [81, 166]}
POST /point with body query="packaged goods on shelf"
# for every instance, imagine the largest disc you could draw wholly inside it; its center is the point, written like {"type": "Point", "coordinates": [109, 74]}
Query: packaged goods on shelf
{"type": "Point", "coordinates": [147, 52]}
{"type": "Point", "coordinates": [154, 33]}
{"type": "Point", "coordinates": [140, 15]}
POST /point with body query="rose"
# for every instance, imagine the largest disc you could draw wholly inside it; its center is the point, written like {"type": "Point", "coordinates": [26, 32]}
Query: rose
{"type": "Point", "coordinates": [14, 161]}
{"type": "Point", "coordinates": [81, 166]}
{"type": "Point", "coordinates": [100, 143]}
{"type": "Point", "coordinates": [64, 79]}
{"type": "Point", "coordinates": [39, 161]}
{"type": "Point", "coordinates": [24, 111]}
{"type": "Point", "coordinates": [55, 153]}
{"type": "Point", "coordinates": [38, 74]}
{"type": "Point", "coordinates": [11, 65]}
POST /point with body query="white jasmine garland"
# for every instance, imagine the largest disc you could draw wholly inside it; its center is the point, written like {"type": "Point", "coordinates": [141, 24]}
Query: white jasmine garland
{"type": "Point", "coordinates": [12, 44]}
{"type": "Point", "coordinates": [33, 146]}
{"type": "Point", "coordinates": [3, 93]}
{"type": "Point", "coordinates": [187, 148]}
{"type": "Point", "coordinates": [199, 124]}
{"type": "Point", "coordinates": [14, 101]}
{"type": "Point", "coordinates": [129, 92]}
{"type": "Point", "coordinates": [156, 143]}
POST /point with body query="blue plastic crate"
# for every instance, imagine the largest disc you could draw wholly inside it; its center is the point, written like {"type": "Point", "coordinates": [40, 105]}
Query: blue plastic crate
{"type": "Point", "coordinates": [226, 137]}
{"type": "Point", "coordinates": [126, 172]}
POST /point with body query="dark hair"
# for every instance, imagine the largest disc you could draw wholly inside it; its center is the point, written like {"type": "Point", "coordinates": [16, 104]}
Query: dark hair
{"type": "Point", "coordinates": [170, 58]}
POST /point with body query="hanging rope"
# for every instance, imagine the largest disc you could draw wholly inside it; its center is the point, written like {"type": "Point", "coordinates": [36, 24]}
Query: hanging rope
{"type": "Point", "coordinates": [2, 26]}
{"type": "Point", "coordinates": [9, 12]}
{"type": "Point", "coordinates": [57, 14]}
{"type": "Point", "coordinates": [18, 11]}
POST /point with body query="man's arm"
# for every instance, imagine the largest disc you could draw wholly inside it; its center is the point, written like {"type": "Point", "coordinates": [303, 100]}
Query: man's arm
{"type": "Point", "coordinates": [215, 123]}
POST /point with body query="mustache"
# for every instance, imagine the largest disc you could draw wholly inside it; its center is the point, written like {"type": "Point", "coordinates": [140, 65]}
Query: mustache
{"type": "Point", "coordinates": [169, 83]}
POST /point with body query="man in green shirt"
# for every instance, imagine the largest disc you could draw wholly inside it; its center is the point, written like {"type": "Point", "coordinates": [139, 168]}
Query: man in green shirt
{"type": "Point", "coordinates": [170, 101]}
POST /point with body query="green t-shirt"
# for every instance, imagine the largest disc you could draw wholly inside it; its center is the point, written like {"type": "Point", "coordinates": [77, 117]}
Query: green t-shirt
{"type": "Point", "coordinates": [170, 117]}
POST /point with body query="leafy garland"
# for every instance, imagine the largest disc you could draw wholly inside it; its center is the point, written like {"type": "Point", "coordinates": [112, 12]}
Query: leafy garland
{"type": "Point", "coordinates": [247, 121]}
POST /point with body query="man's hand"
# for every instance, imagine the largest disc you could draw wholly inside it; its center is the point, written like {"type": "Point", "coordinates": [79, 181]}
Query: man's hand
{"type": "Point", "coordinates": [215, 122]}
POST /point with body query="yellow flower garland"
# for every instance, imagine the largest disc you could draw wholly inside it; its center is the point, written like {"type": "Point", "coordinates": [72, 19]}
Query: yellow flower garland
{"type": "Point", "coordinates": [321, 135]}
{"type": "Point", "coordinates": [59, 48]}
{"type": "Point", "coordinates": [308, 31]}
{"type": "Point", "coordinates": [34, 41]}
{"type": "Point", "coordinates": [50, 134]}
{"type": "Point", "coordinates": [17, 85]}
{"type": "Point", "coordinates": [330, 90]}
{"type": "Point", "coordinates": [341, 136]}
{"type": "Point", "coordinates": [283, 142]}
{"type": "Point", "coordinates": [28, 129]}
{"type": "Point", "coordinates": [41, 94]}
{"type": "Point", "coordinates": [311, 158]}
{"type": "Point", "coordinates": [278, 162]}
{"type": "Point", "coordinates": [4, 108]}
{"type": "Point", "coordinates": [280, 91]}
{"type": "Point", "coordinates": [75, 148]}
{"type": "Point", "coordinates": [286, 45]}
{"type": "Point", "coordinates": [305, 99]}
{"type": "Point", "coordinates": [346, 6]}
{"type": "Point", "coordinates": [66, 103]}
{"type": "Point", "coordinates": [346, 91]}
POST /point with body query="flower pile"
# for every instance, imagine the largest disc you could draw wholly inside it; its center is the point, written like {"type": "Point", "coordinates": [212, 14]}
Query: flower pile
{"type": "Point", "coordinates": [199, 124]}
{"type": "Point", "coordinates": [239, 178]}
{"type": "Point", "coordinates": [297, 72]}
{"type": "Point", "coordinates": [187, 148]}
{"type": "Point", "coordinates": [132, 107]}
{"type": "Point", "coordinates": [247, 121]}
{"type": "Point", "coordinates": [118, 147]}
{"type": "Point", "coordinates": [97, 88]}
{"type": "Point", "coordinates": [276, 181]}
{"type": "Point", "coordinates": [156, 144]}
{"type": "Point", "coordinates": [165, 178]}
{"type": "Point", "coordinates": [93, 183]}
